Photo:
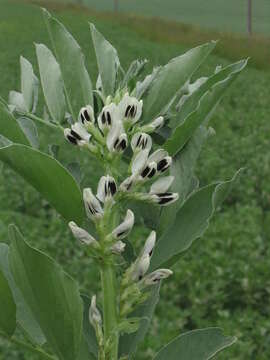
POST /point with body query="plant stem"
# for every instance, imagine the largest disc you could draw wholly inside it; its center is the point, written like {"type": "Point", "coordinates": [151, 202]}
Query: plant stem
{"type": "Point", "coordinates": [26, 346]}
{"type": "Point", "coordinates": [43, 122]}
{"type": "Point", "coordinates": [110, 309]}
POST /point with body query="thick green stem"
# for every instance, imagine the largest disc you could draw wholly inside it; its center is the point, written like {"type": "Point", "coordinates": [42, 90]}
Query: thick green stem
{"type": "Point", "coordinates": [40, 352]}
{"type": "Point", "coordinates": [110, 309]}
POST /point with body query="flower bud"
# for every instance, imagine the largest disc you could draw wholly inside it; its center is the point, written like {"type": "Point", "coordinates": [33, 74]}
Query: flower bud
{"type": "Point", "coordinates": [141, 267]}
{"type": "Point", "coordinates": [156, 276]}
{"type": "Point", "coordinates": [92, 205]}
{"type": "Point", "coordinates": [118, 247]}
{"type": "Point", "coordinates": [149, 244]}
{"type": "Point", "coordinates": [157, 123]}
{"type": "Point", "coordinates": [82, 235]}
{"type": "Point", "coordinates": [141, 141]}
{"type": "Point", "coordinates": [106, 188]}
{"type": "Point", "coordinates": [125, 227]}
{"type": "Point", "coordinates": [94, 314]}
{"type": "Point", "coordinates": [86, 115]}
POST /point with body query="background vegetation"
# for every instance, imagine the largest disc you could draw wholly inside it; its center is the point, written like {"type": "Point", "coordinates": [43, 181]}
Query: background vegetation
{"type": "Point", "coordinates": [224, 279]}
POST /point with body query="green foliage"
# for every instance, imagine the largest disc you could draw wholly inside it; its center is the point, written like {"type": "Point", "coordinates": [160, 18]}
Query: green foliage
{"type": "Point", "coordinates": [8, 313]}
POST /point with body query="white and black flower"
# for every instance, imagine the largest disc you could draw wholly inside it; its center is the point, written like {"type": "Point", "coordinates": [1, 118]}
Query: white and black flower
{"type": "Point", "coordinates": [106, 188]}
{"type": "Point", "coordinates": [82, 235]}
{"type": "Point", "coordinates": [77, 135]}
{"type": "Point", "coordinates": [150, 170]}
{"type": "Point", "coordinates": [125, 227]}
{"type": "Point", "coordinates": [156, 276]}
{"type": "Point", "coordinates": [92, 205]}
{"type": "Point", "coordinates": [162, 185]}
{"type": "Point", "coordinates": [117, 139]}
{"type": "Point", "coordinates": [86, 115]}
{"type": "Point", "coordinates": [149, 244]}
{"type": "Point", "coordinates": [107, 117]}
{"type": "Point", "coordinates": [141, 141]}
{"type": "Point", "coordinates": [165, 198]}
{"type": "Point", "coordinates": [140, 267]}
{"type": "Point", "coordinates": [162, 159]}
{"type": "Point", "coordinates": [130, 108]}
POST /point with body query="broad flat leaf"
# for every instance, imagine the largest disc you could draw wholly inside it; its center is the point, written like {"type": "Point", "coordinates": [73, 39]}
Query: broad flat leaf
{"type": "Point", "coordinates": [8, 307]}
{"type": "Point", "coordinates": [191, 101]}
{"type": "Point", "coordinates": [48, 177]}
{"type": "Point", "coordinates": [143, 86]}
{"type": "Point", "coordinates": [182, 169]}
{"type": "Point", "coordinates": [30, 130]}
{"type": "Point", "coordinates": [190, 223]}
{"type": "Point", "coordinates": [171, 78]}
{"type": "Point", "coordinates": [201, 114]}
{"type": "Point", "coordinates": [201, 344]}
{"type": "Point", "coordinates": [129, 342]}
{"type": "Point", "coordinates": [77, 83]}
{"type": "Point", "coordinates": [28, 83]}
{"type": "Point", "coordinates": [24, 315]}
{"type": "Point", "coordinates": [107, 60]}
{"type": "Point", "coordinates": [52, 295]}
{"type": "Point", "coordinates": [52, 82]}
{"type": "Point", "coordinates": [10, 128]}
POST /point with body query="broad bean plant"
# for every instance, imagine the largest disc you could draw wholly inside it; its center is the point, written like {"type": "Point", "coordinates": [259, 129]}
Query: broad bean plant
{"type": "Point", "coordinates": [143, 133]}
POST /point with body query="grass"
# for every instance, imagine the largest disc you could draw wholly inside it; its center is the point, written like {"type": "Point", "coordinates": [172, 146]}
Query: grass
{"type": "Point", "coordinates": [224, 279]}
{"type": "Point", "coordinates": [229, 16]}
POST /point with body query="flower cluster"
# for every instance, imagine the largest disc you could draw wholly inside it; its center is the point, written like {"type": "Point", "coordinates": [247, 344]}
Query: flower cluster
{"type": "Point", "coordinates": [108, 135]}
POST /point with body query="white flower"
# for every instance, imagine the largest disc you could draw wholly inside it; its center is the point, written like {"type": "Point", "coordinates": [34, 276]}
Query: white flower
{"type": "Point", "coordinates": [106, 188]}
{"type": "Point", "coordinates": [125, 227]}
{"type": "Point", "coordinates": [162, 159]}
{"type": "Point", "coordinates": [141, 267]}
{"type": "Point", "coordinates": [92, 205]}
{"type": "Point", "coordinates": [94, 314]}
{"type": "Point", "coordinates": [141, 141]}
{"type": "Point", "coordinates": [81, 234]}
{"type": "Point", "coordinates": [77, 135]}
{"type": "Point", "coordinates": [150, 170]}
{"type": "Point", "coordinates": [139, 162]}
{"type": "Point", "coordinates": [130, 108]}
{"type": "Point", "coordinates": [86, 115]}
{"type": "Point", "coordinates": [156, 276]}
{"type": "Point", "coordinates": [149, 244]}
{"type": "Point", "coordinates": [108, 116]}
{"type": "Point", "coordinates": [162, 185]}
{"type": "Point", "coordinates": [165, 198]}
{"type": "Point", "coordinates": [116, 138]}
{"type": "Point", "coordinates": [118, 247]}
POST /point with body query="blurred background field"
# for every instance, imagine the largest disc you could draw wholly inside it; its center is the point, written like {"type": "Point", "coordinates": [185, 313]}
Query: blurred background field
{"type": "Point", "coordinates": [224, 280]}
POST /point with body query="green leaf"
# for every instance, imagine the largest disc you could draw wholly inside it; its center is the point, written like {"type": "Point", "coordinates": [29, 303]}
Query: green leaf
{"type": "Point", "coordinates": [192, 100]}
{"type": "Point", "coordinates": [52, 82]}
{"type": "Point", "coordinates": [8, 307]}
{"type": "Point", "coordinates": [191, 222]}
{"type": "Point", "coordinates": [28, 84]}
{"type": "Point", "coordinates": [10, 128]}
{"type": "Point", "coordinates": [48, 177]}
{"type": "Point", "coordinates": [23, 314]}
{"type": "Point", "coordinates": [201, 344]}
{"type": "Point", "coordinates": [16, 101]}
{"type": "Point", "coordinates": [77, 83]}
{"type": "Point", "coordinates": [52, 295]}
{"type": "Point", "coordinates": [129, 342]}
{"type": "Point", "coordinates": [203, 111]}
{"type": "Point", "coordinates": [107, 59]}
{"type": "Point", "coordinates": [30, 130]}
{"type": "Point", "coordinates": [182, 169]}
{"type": "Point", "coordinates": [171, 78]}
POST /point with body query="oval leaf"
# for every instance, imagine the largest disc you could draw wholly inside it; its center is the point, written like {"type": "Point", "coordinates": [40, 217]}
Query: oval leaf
{"type": "Point", "coordinates": [52, 295]}
{"type": "Point", "coordinates": [171, 78]}
{"type": "Point", "coordinates": [23, 314]}
{"type": "Point", "coordinates": [191, 222]}
{"type": "Point", "coordinates": [52, 83]}
{"type": "Point", "coordinates": [201, 344]}
{"type": "Point", "coordinates": [107, 59]}
{"type": "Point", "coordinates": [8, 307]}
{"type": "Point", "coordinates": [28, 83]}
{"type": "Point", "coordinates": [48, 177]}
{"type": "Point", "coordinates": [77, 83]}
{"type": "Point", "coordinates": [10, 128]}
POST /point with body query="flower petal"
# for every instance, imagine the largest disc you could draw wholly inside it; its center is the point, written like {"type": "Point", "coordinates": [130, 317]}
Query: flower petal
{"type": "Point", "coordinates": [92, 205]}
{"type": "Point", "coordinates": [162, 185]}
{"type": "Point", "coordinates": [125, 227]}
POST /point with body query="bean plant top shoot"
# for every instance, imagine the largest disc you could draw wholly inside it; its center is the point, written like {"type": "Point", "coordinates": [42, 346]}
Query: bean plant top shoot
{"type": "Point", "coordinates": [144, 134]}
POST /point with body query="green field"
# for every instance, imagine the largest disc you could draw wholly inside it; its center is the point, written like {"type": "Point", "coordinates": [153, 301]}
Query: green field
{"type": "Point", "coordinates": [224, 280]}
{"type": "Point", "coordinates": [229, 15]}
